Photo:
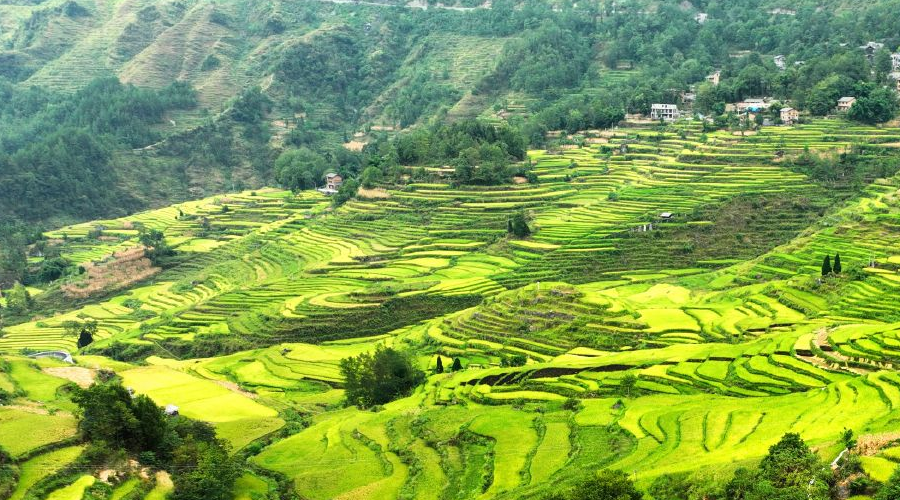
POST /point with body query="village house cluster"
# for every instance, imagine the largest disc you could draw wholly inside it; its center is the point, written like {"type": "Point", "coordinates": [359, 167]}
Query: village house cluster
{"type": "Point", "coordinates": [751, 107]}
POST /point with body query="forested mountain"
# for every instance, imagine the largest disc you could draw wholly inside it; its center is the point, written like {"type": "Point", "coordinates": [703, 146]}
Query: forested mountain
{"type": "Point", "coordinates": [328, 71]}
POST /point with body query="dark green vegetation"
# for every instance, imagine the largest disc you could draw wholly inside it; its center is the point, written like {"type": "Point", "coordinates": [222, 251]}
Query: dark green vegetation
{"type": "Point", "coordinates": [790, 470]}
{"type": "Point", "coordinates": [113, 422]}
{"type": "Point", "coordinates": [57, 151]}
{"type": "Point", "coordinates": [380, 377]}
{"type": "Point", "coordinates": [604, 485]}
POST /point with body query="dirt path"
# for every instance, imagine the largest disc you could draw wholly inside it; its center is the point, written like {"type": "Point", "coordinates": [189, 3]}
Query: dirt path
{"type": "Point", "coordinates": [231, 386]}
{"type": "Point", "coordinates": [83, 377]}
{"type": "Point", "coordinates": [37, 410]}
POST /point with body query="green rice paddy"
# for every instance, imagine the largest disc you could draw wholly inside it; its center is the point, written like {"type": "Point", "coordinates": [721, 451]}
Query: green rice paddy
{"type": "Point", "coordinates": [707, 336]}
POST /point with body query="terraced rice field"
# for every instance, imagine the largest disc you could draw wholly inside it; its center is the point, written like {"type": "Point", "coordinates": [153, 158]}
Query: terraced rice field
{"type": "Point", "coordinates": [645, 339]}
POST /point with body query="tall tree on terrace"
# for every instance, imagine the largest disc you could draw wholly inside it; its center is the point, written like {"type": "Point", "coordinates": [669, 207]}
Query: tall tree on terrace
{"type": "Point", "coordinates": [826, 266]}
{"type": "Point", "coordinates": [836, 268]}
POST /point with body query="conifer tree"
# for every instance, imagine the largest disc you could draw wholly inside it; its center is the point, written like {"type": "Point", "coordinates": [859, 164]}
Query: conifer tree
{"type": "Point", "coordinates": [826, 266]}
{"type": "Point", "coordinates": [439, 368]}
{"type": "Point", "coordinates": [457, 365]}
{"type": "Point", "coordinates": [837, 264]}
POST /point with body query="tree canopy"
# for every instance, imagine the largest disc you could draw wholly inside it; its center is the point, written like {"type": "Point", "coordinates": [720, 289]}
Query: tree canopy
{"type": "Point", "coordinates": [380, 377]}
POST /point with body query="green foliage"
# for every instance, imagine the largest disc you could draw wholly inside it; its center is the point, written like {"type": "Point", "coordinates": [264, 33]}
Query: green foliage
{"type": "Point", "coordinates": [346, 192]}
{"type": "Point", "coordinates": [439, 366]}
{"type": "Point", "coordinates": [13, 261]}
{"type": "Point", "coordinates": [457, 365]}
{"type": "Point", "coordinates": [379, 377]}
{"type": "Point", "coordinates": [204, 471]}
{"type": "Point", "coordinates": [671, 487]}
{"type": "Point", "coordinates": [251, 106]}
{"type": "Point", "coordinates": [299, 169]}
{"type": "Point", "coordinates": [891, 489]}
{"type": "Point", "coordinates": [84, 331]}
{"type": "Point", "coordinates": [371, 176]}
{"type": "Point", "coordinates": [826, 266]}
{"type": "Point", "coordinates": [18, 300]}
{"type": "Point", "coordinates": [572, 114]}
{"type": "Point", "coordinates": [822, 98]}
{"type": "Point", "coordinates": [340, 68]}
{"type": "Point", "coordinates": [628, 383]}
{"type": "Point", "coordinates": [419, 95]}
{"type": "Point", "coordinates": [517, 225]}
{"type": "Point", "coordinates": [848, 439]}
{"type": "Point", "coordinates": [113, 419]}
{"type": "Point", "coordinates": [155, 245]}
{"type": "Point", "coordinates": [836, 269]}
{"type": "Point", "coordinates": [56, 149]}
{"type": "Point", "coordinates": [52, 269]}
{"type": "Point", "coordinates": [109, 414]}
{"type": "Point", "coordinates": [790, 470]}
{"type": "Point", "coordinates": [603, 485]}
{"type": "Point", "coordinates": [552, 56]}
{"type": "Point", "coordinates": [878, 107]}
{"type": "Point", "coordinates": [479, 152]}
{"type": "Point", "coordinates": [514, 360]}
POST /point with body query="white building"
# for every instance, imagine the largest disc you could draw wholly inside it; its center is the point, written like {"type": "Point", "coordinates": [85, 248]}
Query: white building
{"type": "Point", "coordinates": [779, 61]}
{"type": "Point", "coordinates": [664, 112]}
{"type": "Point", "coordinates": [789, 116]}
{"type": "Point", "coordinates": [332, 184]}
{"type": "Point", "coordinates": [845, 103]}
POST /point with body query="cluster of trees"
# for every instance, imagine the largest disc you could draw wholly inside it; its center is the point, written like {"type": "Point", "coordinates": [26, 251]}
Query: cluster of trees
{"type": "Point", "coordinates": [828, 268]}
{"type": "Point", "coordinates": [480, 153]}
{"type": "Point", "coordinates": [301, 168]}
{"type": "Point", "coordinates": [341, 69]}
{"type": "Point", "coordinates": [572, 114]}
{"type": "Point", "coordinates": [602, 485]}
{"type": "Point", "coordinates": [156, 247]}
{"type": "Point", "coordinates": [377, 378]}
{"type": "Point", "coordinates": [877, 106]}
{"type": "Point", "coordinates": [790, 470]}
{"type": "Point", "coordinates": [59, 147]}
{"type": "Point", "coordinates": [555, 55]}
{"type": "Point", "coordinates": [517, 225]}
{"type": "Point", "coordinates": [18, 301]}
{"type": "Point", "coordinates": [84, 332]}
{"type": "Point", "coordinates": [454, 367]}
{"type": "Point", "coordinates": [115, 422]}
{"type": "Point", "coordinates": [418, 96]}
